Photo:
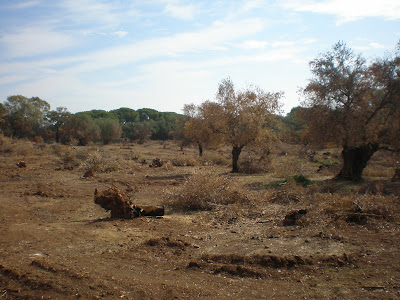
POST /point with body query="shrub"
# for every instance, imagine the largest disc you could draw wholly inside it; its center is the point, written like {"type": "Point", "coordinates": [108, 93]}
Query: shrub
{"type": "Point", "coordinates": [204, 190]}
{"type": "Point", "coordinates": [99, 163]}
{"type": "Point", "coordinates": [301, 179]}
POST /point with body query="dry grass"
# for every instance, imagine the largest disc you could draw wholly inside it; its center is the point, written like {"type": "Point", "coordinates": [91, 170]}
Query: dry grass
{"type": "Point", "coordinates": [378, 171]}
{"type": "Point", "coordinates": [285, 166]}
{"type": "Point", "coordinates": [19, 147]}
{"type": "Point", "coordinates": [204, 190]}
{"type": "Point", "coordinates": [101, 162]}
{"type": "Point", "coordinates": [211, 158]}
{"type": "Point", "coordinates": [184, 161]}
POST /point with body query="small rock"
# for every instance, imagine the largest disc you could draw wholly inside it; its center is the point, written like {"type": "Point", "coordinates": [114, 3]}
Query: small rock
{"type": "Point", "coordinates": [21, 164]}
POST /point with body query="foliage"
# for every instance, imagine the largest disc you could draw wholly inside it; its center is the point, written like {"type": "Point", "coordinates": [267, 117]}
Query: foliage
{"type": "Point", "coordinates": [79, 127]}
{"type": "Point", "coordinates": [97, 114]}
{"type": "Point", "coordinates": [165, 126]}
{"type": "Point", "coordinates": [295, 127]}
{"type": "Point", "coordinates": [302, 180]}
{"type": "Point", "coordinates": [25, 117]}
{"type": "Point", "coordinates": [354, 105]}
{"type": "Point", "coordinates": [199, 128]}
{"type": "Point", "coordinates": [148, 114]}
{"type": "Point", "coordinates": [139, 131]}
{"type": "Point", "coordinates": [2, 113]}
{"type": "Point", "coordinates": [109, 129]}
{"type": "Point", "coordinates": [237, 119]}
{"type": "Point", "coordinates": [56, 120]}
{"type": "Point", "coordinates": [125, 115]}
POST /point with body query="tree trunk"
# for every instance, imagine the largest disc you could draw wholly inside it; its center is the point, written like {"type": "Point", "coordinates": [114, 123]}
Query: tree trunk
{"type": "Point", "coordinates": [235, 158]}
{"type": "Point", "coordinates": [355, 160]}
{"type": "Point", "coordinates": [200, 150]}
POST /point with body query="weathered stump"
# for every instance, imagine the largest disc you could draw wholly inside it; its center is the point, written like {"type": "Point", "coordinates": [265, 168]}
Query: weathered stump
{"type": "Point", "coordinates": [122, 207]}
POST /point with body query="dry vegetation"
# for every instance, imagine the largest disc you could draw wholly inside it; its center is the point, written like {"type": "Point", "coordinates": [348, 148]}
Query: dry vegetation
{"type": "Point", "coordinates": [283, 230]}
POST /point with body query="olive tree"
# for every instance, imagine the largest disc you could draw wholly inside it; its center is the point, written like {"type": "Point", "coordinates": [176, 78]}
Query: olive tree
{"type": "Point", "coordinates": [200, 126]}
{"type": "Point", "coordinates": [354, 105]}
{"type": "Point", "coordinates": [238, 118]}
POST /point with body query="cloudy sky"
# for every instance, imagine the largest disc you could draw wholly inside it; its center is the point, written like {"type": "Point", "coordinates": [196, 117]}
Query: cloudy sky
{"type": "Point", "coordinates": [162, 54]}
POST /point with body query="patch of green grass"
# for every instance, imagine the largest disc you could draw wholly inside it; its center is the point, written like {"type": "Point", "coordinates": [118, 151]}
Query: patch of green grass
{"type": "Point", "coordinates": [275, 184]}
{"type": "Point", "coordinates": [329, 162]}
{"type": "Point", "coordinates": [302, 180]}
{"type": "Point", "coordinates": [299, 179]}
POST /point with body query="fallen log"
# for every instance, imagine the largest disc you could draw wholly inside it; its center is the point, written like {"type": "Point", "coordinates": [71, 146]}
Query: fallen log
{"type": "Point", "coordinates": [122, 207]}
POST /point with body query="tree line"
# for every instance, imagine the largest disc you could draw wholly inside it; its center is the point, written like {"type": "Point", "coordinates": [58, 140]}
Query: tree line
{"type": "Point", "coordinates": [31, 118]}
{"type": "Point", "coordinates": [348, 102]}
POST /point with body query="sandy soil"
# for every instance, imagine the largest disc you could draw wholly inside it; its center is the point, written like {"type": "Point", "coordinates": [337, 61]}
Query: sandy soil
{"type": "Point", "coordinates": [55, 243]}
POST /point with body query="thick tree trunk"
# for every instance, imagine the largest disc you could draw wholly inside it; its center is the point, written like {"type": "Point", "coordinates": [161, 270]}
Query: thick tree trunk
{"type": "Point", "coordinates": [200, 150]}
{"type": "Point", "coordinates": [235, 158]}
{"type": "Point", "coordinates": [355, 160]}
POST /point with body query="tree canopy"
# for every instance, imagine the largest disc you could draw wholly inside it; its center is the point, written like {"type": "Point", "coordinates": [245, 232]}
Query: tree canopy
{"type": "Point", "coordinates": [238, 118]}
{"type": "Point", "coordinates": [354, 105]}
{"type": "Point", "coordinates": [25, 116]}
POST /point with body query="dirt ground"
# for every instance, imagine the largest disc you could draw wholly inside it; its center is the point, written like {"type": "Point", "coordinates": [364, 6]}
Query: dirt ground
{"type": "Point", "coordinates": [55, 243]}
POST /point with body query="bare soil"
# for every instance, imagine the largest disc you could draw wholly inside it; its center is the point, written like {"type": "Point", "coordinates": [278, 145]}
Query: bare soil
{"type": "Point", "coordinates": [56, 243]}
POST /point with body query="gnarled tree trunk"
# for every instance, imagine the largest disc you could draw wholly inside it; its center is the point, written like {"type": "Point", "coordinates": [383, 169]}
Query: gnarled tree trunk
{"type": "Point", "coordinates": [236, 150]}
{"type": "Point", "coordinates": [355, 160]}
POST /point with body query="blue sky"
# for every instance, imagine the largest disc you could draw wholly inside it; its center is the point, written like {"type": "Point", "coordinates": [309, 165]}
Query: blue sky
{"type": "Point", "coordinates": [162, 54]}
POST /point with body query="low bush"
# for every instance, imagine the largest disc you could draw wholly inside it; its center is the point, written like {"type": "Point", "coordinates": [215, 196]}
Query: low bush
{"type": "Point", "coordinates": [204, 190]}
{"type": "Point", "coordinates": [100, 163]}
{"type": "Point", "coordinates": [302, 180]}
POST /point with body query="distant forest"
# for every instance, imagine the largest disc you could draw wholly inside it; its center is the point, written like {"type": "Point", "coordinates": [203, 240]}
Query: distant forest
{"type": "Point", "coordinates": [31, 118]}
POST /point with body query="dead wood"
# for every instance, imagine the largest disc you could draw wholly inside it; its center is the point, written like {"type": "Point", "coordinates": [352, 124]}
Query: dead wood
{"type": "Point", "coordinates": [122, 207]}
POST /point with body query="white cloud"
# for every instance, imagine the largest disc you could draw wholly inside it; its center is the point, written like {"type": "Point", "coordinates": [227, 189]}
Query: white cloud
{"type": "Point", "coordinates": [348, 10]}
{"type": "Point", "coordinates": [377, 46]}
{"type": "Point", "coordinates": [212, 38]}
{"type": "Point", "coordinates": [365, 44]}
{"type": "Point", "coordinates": [27, 4]}
{"type": "Point", "coordinates": [97, 14]}
{"type": "Point", "coordinates": [184, 12]}
{"type": "Point", "coordinates": [278, 44]}
{"type": "Point", "coordinates": [121, 33]}
{"type": "Point", "coordinates": [32, 41]}
{"type": "Point", "coordinates": [252, 4]}
{"type": "Point", "coordinates": [253, 44]}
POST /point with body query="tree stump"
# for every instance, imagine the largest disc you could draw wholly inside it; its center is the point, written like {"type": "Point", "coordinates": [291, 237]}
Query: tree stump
{"type": "Point", "coordinates": [122, 207]}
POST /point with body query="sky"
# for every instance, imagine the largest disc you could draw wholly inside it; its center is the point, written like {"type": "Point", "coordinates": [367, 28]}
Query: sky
{"type": "Point", "coordinates": [162, 54]}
